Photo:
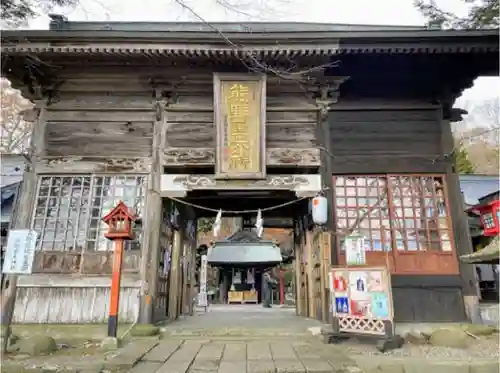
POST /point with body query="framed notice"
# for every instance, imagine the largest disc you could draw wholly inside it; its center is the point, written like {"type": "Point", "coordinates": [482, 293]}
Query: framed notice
{"type": "Point", "coordinates": [20, 252]}
{"type": "Point", "coordinates": [354, 246]}
{"type": "Point", "coordinates": [240, 119]}
{"type": "Point", "coordinates": [361, 300]}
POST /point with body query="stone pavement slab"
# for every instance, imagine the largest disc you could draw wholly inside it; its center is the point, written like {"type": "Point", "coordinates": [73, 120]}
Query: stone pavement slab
{"type": "Point", "coordinates": [146, 366]}
{"type": "Point", "coordinates": [129, 355]}
{"type": "Point", "coordinates": [204, 365]}
{"type": "Point", "coordinates": [289, 365]}
{"type": "Point", "coordinates": [181, 360]}
{"type": "Point", "coordinates": [212, 351]}
{"type": "Point", "coordinates": [235, 352]}
{"type": "Point", "coordinates": [317, 366]}
{"type": "Point", "coordinates": [282, 351]}
{"type": "Point", "coordinates": [308, 351]}
{"type": "Point", "coordinates": [260, 366]}
{"type": "Point", "coordinates": [259, 351]}
{"type": "Point", "coordinates": [162, 351]}
{"type": "Point", "coordinates": [233, 366]}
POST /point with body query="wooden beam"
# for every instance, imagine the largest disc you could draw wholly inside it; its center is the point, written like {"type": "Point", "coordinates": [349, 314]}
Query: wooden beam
{"type": "Point", "coordinates": [178, 185]}
{"type": "Point", "coordinates": [276, 157]}
{"type": "Point", "coordinates": [99, 164]}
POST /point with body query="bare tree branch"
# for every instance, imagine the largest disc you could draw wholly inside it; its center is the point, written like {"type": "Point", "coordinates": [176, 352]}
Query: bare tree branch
{"type": "Point", "coordinates": [253, 63]}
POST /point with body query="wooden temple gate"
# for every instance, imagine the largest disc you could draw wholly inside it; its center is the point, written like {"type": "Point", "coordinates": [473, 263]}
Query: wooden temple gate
{"type": "Point", "coordinates": [144, 131]}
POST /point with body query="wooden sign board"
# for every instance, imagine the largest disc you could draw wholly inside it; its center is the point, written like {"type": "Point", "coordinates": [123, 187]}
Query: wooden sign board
{"type": "Point", "coordinates": [240, 119]}
{"type": "Point", "coordinates": [361, 301]}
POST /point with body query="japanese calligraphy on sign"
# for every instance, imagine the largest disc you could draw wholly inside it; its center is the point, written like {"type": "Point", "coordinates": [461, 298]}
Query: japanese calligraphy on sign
{"type": "Point", "coordinates": [20, 252]}
{"type": "Point", "coordinates": [240, 117]}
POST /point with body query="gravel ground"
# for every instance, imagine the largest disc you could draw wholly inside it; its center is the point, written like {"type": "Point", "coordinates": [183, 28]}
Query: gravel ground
{"type": "Point", "coordinates": [487, 347]}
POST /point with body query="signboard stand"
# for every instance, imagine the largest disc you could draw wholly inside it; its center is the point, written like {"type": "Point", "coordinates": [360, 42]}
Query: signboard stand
{"type": "Point", "coordinates": [19, 256]}
{"type": "Point", "coordinates": [361, 305]}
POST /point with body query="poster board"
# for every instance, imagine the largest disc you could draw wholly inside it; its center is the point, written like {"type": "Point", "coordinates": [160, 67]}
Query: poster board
{"type": "Point", "coordinates": [361, 301]}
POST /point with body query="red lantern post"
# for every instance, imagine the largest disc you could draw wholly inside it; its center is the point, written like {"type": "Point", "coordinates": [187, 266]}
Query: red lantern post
{"type": "Point", "coordinates": [282, 287]}
{"type": "Point", "coordinates": [119, 221]}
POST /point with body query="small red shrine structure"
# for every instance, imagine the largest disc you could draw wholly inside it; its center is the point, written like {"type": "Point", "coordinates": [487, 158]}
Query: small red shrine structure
{"type": "Point", "coordinates": [489, 210]}
{"type": "Point", "coordinates": [120, 221]}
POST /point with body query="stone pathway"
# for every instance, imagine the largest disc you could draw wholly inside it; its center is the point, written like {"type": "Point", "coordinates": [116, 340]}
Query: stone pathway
{"type": "Point", "coordinates": [204, 356]}
{"type": "Point", "coordinates": [242, 339]}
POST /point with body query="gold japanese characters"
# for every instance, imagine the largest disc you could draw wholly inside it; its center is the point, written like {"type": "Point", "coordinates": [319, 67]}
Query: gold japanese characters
{"type": "Point", "coordinates": [240, 118]}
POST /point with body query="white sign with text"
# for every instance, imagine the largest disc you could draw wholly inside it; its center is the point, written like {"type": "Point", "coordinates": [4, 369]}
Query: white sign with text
{"type": "Point", "coordinates": [20, 252]}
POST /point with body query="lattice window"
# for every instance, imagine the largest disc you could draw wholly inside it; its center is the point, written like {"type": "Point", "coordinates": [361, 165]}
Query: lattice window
{"type": "Point", "coordinates": [488, 221]}
{"type": "Point", "coordinates": [69, 210]}
{"type": "Point", "coordinates": [406, 212]}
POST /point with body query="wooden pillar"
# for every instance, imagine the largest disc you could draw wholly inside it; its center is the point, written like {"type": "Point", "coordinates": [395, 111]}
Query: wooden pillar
{"type": "Point", "coordinates": [463, 243]}
{"type": "Point", "coordinates": [192, 280]}
{"type": "Point", "coordinates": [329, 96]}
{"type": "Point", "coordinates": [325, 244]}
{"type": "Point", "coordinates": [310, 277]}
{"type": "Point", "coordinates": [185, 288]}
{"type": "Point", "coordinates": [298, 300]}
{"type": "Point", "coordinates": [173, 302]}
{"type": "Point", "coordinates": [24, 210]}
{"type": "Point", "coordinates": [150, 245]}
{"type": "Point", "coordinates": [282, 287]}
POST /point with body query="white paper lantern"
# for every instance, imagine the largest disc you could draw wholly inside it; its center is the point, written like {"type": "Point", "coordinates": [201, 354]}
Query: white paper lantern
{"type": "Point", "coordinates": [319, 210]}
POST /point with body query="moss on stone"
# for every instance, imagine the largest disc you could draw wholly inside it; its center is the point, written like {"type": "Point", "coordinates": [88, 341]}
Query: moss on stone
{"type": "Point", "coordinates": [144, 330]}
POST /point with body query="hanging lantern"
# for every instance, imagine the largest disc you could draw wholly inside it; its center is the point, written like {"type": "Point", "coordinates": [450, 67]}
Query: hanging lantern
{"type": "Point", "coordinates": [319, 210]}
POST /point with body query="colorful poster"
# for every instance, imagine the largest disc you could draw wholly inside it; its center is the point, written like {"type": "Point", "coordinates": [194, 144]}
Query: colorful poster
{"type": "Point", "coordinates": [380, 305]}
{"type": "Point", "coordinates": [342, 305]}
{"type": "Point", "coordinates": [340, 282]}
{"type": "Point", "coordinates": [375, 281]}
{"type": "Point", "coordinates": [361, 307]}
{"type": "Point", "coordinates": [358, 282]}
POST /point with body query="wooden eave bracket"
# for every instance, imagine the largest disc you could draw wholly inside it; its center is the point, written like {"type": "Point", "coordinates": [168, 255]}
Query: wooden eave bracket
{"type": "Point", "coordinates": [328, 94]}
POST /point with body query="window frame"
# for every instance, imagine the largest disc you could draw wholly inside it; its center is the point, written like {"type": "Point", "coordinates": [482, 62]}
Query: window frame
{"type": "Point", "coordinates": [401, 261]}
{"type": "Point", "coordinates": [88, 215]}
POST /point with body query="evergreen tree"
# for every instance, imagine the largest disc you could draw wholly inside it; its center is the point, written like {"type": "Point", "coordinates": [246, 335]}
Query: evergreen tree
{"type": "Point", "coordinates": [463, 165]}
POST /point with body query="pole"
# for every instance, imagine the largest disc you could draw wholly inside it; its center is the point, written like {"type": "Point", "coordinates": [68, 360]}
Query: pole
{"type": "Point", "coordinates": [115, 289]}
{"type": "Point", "coordinates": [282, 288]}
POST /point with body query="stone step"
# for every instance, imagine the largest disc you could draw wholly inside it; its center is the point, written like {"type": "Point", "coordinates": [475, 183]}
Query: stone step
{"type": "Point", "coordinates": [233, 332]}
